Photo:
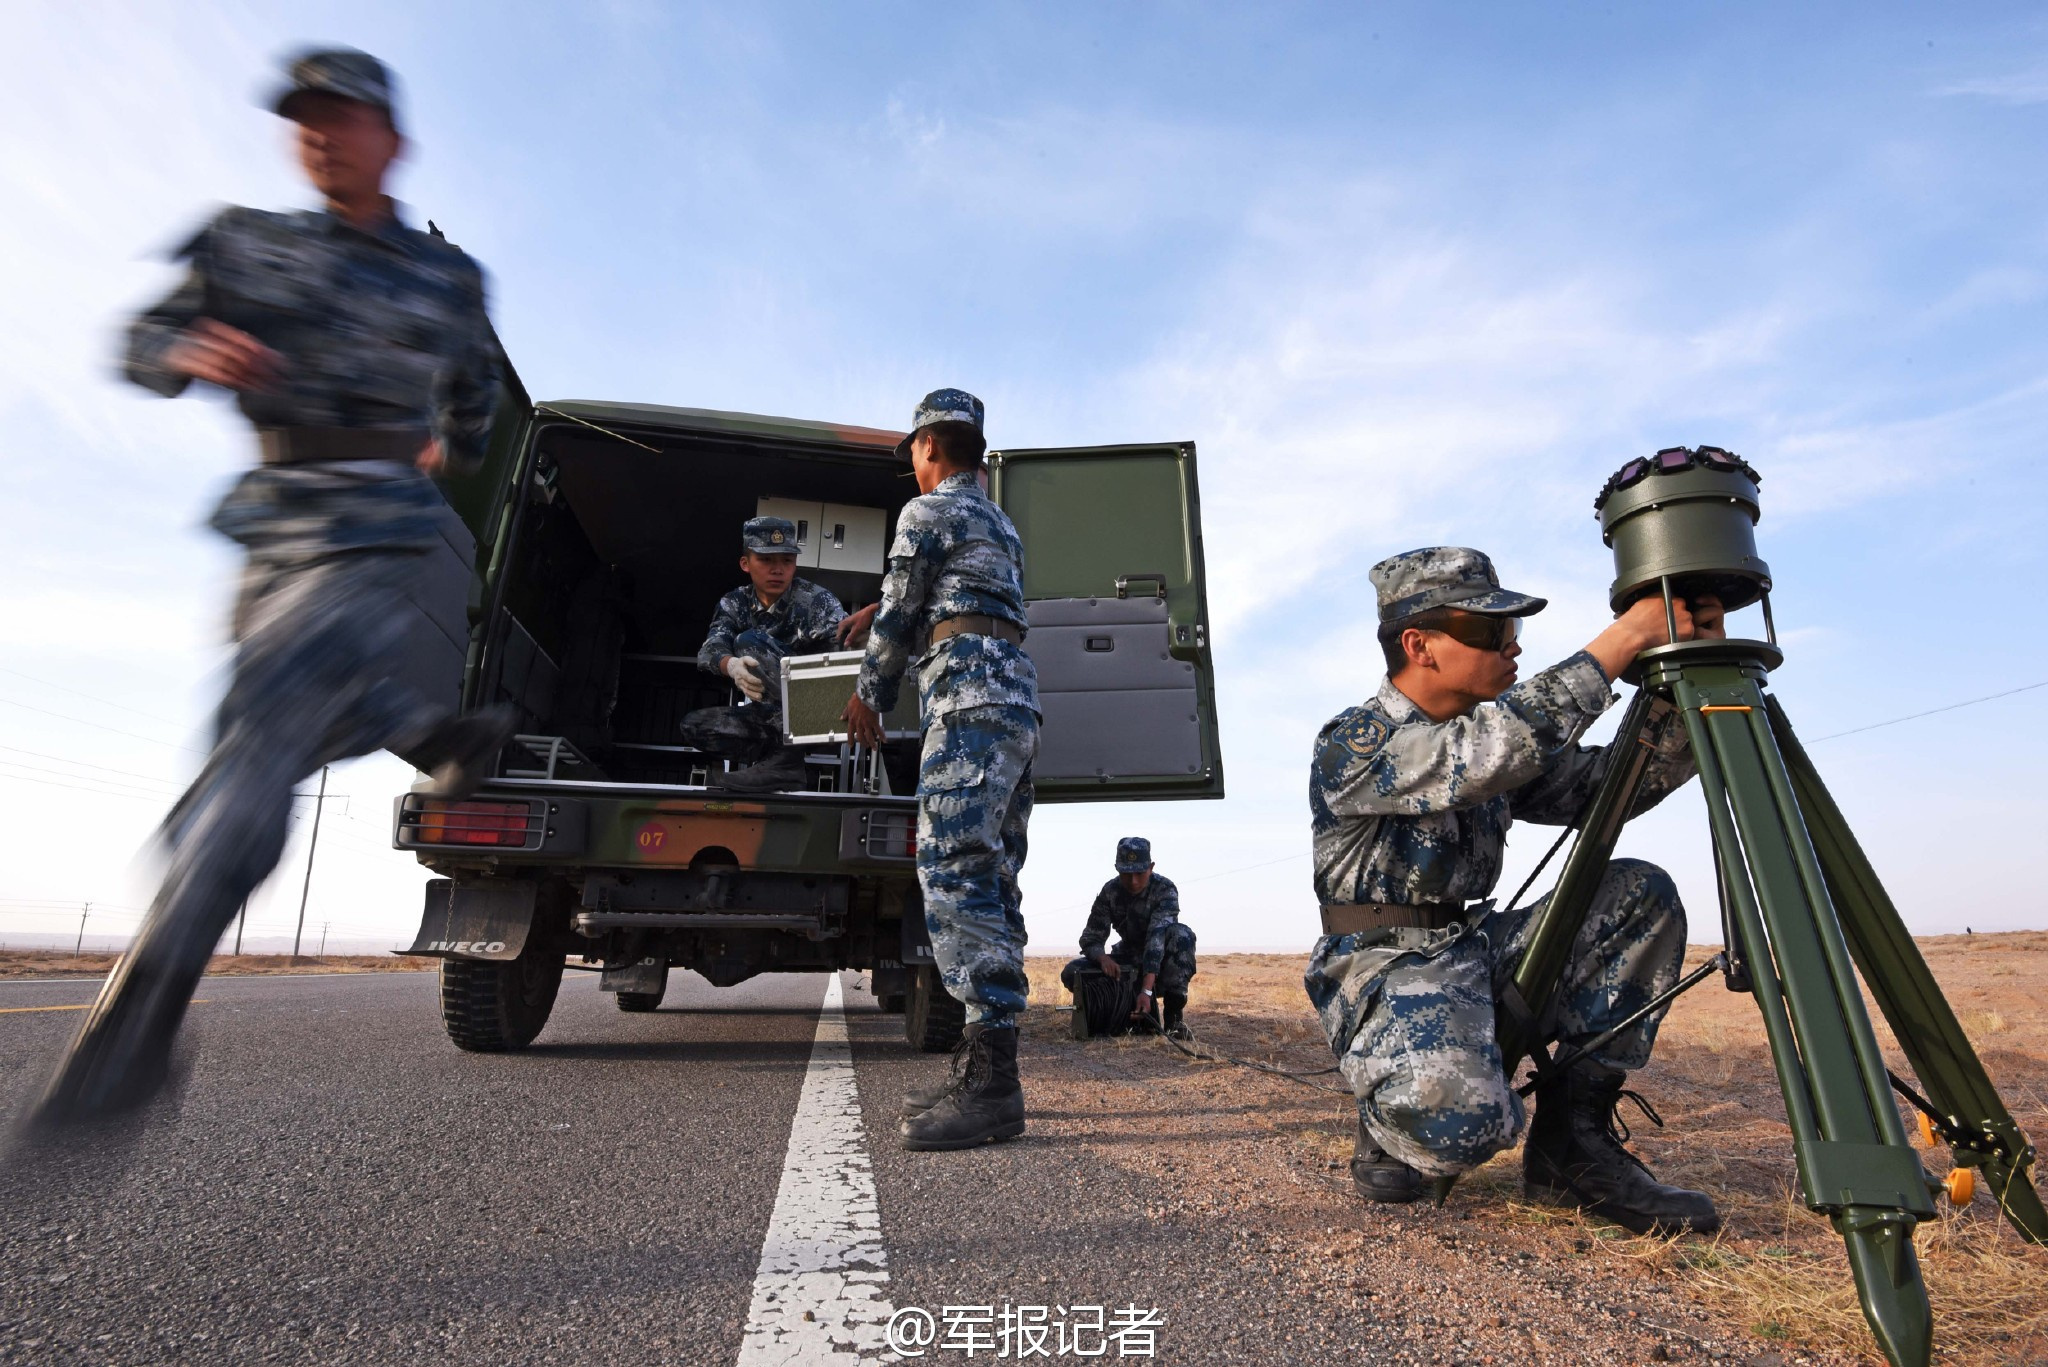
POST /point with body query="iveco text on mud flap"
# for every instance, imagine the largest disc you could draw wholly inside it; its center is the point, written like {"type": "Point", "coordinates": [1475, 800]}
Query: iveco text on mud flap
{"type": "Point", "coordinates": [607, 533]}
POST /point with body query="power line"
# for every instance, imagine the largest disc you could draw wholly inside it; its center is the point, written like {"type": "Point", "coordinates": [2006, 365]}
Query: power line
{"type": "Point", "coordinates": [132, 735]}
{"type": "Point", "coordinates": [1915, 716]}
{"type": "Point", "coordinates": [105, 702]}
{"type": "Point", "coordinates": [83, 764]}
{"type": "Point", "coordinates": [66, 773]}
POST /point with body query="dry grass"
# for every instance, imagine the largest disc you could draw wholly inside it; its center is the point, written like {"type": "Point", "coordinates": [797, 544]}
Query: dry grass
{"type": "Point", "coordinates": [1776, 1270]}
{"type": "Point", "coordinates": [32, 963]}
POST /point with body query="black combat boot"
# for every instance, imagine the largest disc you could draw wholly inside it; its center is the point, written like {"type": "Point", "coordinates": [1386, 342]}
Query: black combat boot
{"type": "Point", "coordinates": [1379, 1176]}
{"type": "Point", "coordinates": [918, 1100]}
{"type": "Point", "coordinates": [462, 754]}
{"type": "Point", "coordinates": [781, 772]}
{"type": "Point", "coordinates": [1171, 1025]}
{"type": "Point", "coordinates": [986, 1105]}
{"type": "Point", "coordinates": [1574, 1158]}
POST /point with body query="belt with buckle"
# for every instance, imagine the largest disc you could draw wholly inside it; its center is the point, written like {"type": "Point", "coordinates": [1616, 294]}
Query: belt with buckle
{"type": "Point", "coordinates": [977, 624]}
{"type": "Point", "coordinates": [1349, 918]}
{"type": "Point", "coordinates": [313, 445]}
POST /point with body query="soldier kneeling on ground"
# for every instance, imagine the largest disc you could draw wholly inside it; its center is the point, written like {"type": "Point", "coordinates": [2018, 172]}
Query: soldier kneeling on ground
{"type": "Point", "coordinates": [1144, 910]}
{"type": "Point", "coordinates": [772, 615]}
{"type": "Point", "coordinates": [1412, 793]}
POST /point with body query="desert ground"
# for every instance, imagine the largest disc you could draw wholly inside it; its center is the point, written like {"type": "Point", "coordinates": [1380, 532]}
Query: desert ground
{"type": "Point", "coordinates": [1772, 1288]}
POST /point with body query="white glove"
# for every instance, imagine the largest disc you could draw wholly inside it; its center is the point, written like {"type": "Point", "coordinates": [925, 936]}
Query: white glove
{"type": "Point", "coordinates": [745, 672]}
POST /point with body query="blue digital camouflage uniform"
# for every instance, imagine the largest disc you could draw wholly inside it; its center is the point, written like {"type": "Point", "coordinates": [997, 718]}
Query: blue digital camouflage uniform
{"type": "Point", "coordinates": [1409, 811]}
{"type": "Point", "coordinates": [380, 331]}
{"type": "Point", "coordinates": [956, 554]}
{"type": "Point", "coordinates": [1150, 936]}
{"type": "Point", "coordinates": [803, 621]}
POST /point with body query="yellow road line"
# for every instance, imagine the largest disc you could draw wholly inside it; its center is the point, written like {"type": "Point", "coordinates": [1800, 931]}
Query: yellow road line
{"type": "Point", "coordinates": [83, 1006]}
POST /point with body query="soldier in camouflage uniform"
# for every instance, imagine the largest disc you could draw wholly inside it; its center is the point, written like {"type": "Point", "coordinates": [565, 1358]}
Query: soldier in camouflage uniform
{"type": "Point", "coordinates": [772, 615]}
{"type": "Point", "coordinates": [1412, 794]}
{"type": "Point", "coordinates": [360, 350]}
{"type": "Point", "coordinates": [1143, 909]}
{"type": "Point", "coordinates": [953, 604]}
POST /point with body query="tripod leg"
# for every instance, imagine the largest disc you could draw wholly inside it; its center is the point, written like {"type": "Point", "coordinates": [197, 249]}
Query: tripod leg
{"type": "Point", "coordinates": [1913, 1003]}
{"type": "Point", "coordinates": [1526, 1001]}
{"type": "Point", "coordinates": [1853, 1158]}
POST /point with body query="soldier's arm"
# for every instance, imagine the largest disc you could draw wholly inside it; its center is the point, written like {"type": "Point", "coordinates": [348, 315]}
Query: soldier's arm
{"type": "Point", "coordinates": [718, 641]}
{"type": "Point", "coordinates": [822, 616]}
{"type": "Point", "coordinates": [1561, 792]}
{"type": "Point", "coordinates": [162, 326]}
{"type": "Point", "coordinates": [1366, 767]}
{"type": "Point", "coordinates": [1165, 914]}
{"type": "Point", "coordinates": [466, 392]}
{"type": "Point", "coordinates": [914, 561]}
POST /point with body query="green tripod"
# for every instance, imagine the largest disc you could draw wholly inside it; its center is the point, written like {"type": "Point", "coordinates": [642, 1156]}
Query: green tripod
{"type": "Point", "coordinates": [1803, 912]}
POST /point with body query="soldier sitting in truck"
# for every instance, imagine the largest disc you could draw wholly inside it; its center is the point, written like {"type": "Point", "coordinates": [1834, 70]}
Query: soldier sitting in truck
{"type": "Point", "coordinates": [772, 615]}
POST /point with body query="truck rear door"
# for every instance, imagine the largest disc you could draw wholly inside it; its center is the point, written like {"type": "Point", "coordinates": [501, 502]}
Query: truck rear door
{"type": "Point", "coordinates": [1113, 582]}
{"type": "Point", "coordinates": [446, 592]}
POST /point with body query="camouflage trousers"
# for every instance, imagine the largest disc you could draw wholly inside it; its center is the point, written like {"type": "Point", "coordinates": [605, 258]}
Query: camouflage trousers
{"type": "Point", "coordinates": [1409, 1013]}
{"type": "Point", "coordinates": [1176, 966]}
{"type": "Point", "coordinates": [320, 627]}
{"type": "Point", "coordinates": [973, 806]}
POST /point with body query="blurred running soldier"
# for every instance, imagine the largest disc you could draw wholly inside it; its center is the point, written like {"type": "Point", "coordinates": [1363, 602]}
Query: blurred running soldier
{"type": "Point", "coordinates": [359, 349]}
{"type": "Point", "coordinates": [1143, 909]}
{"type": "Point", "coordinates": [1412, 794]}
{"type": "Point", "coordinates": [772, 615]}
{"type": "Point", "coordinates": [953, 604]}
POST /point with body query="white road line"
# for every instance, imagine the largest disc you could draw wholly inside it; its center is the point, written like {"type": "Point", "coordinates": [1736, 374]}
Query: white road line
{"type": "Point", "coordinates": [821, 1295]}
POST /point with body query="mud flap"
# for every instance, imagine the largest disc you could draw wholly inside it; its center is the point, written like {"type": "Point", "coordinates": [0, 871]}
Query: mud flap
{"type": "Point", "coordinates": [917, 937]}
{"type": "Point", "coordinates": [482, 920]}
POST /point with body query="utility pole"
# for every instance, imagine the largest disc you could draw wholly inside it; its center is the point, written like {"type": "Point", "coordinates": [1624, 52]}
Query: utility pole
{"type": "Point", "coordinates": [80, 946]}
{"type": "Point", "coordinates": [241, 921]}
{"type": "Point", "coordinates": [312, 848]}
{"type": "Point", "coordinates": [323, 940]}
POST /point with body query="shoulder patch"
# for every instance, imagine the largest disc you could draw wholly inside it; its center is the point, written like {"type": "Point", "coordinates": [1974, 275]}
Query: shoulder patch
{"type": "Point", "coordinates": [1364, 735]}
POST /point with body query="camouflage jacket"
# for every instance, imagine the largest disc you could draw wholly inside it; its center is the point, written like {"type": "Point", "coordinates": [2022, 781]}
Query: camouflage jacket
{"type": "Point", "coordinates": [1140, 922]}
{"type": "Point", "coordinates": [1409, 810]}
{"type": "Point", "coordinates": [382, 329]}
{"type": "Point", "coordinates": [955, 553]}
{"type": "Point", "coordinates": [805, 620]}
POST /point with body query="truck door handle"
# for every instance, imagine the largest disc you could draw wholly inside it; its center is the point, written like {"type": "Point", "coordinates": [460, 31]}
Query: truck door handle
{"type": "Point", "coordinates": [1124, 582]}
{"type": "Point", "coordinates": [1100, 645]}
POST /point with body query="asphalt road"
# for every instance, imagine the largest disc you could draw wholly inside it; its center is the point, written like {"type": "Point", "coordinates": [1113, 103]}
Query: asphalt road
{"type": "Point", "coordinates": [338, 1184]}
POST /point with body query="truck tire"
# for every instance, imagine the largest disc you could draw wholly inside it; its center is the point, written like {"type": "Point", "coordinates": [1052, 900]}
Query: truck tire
{"type": "Point", "coordinates": [496, 1007]}
{"type": "Point", "coordinates": [640, 1001]}
{"type": "Point", "coordinates": [891, 1005]}
{"type": "Point", "coordinates": [932, 1019]}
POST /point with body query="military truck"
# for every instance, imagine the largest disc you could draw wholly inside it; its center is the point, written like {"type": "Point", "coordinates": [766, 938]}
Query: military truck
{"type": "Point", "coordinates": [606, 533]}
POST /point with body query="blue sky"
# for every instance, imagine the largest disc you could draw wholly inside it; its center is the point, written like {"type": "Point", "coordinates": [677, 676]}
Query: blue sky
{"type": "Point", "coordinates": [1405, 273]}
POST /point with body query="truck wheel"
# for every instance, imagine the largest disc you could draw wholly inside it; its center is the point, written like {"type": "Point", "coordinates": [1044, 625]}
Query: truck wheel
{"type": "Point", "coordinates": [891, 1005]}
{"type": "Point", "coordinates": [932, 1019]}
{"type": "Point", "coordinates": [496, 1007]}
{"type": "Point", "coordinates": [639, 1001]}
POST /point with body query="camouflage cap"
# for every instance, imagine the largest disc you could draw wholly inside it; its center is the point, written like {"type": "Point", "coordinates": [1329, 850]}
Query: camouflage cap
{"type": "Point", "coordinates": [339, 71]}
{"type": "Point", "coordinates": [941, 405]}
{"type": "Point", "coordinates": [1445, 577]}
{"type": "Point", "coordinates": [1133, 854]}
{"type": "Point", "coordinates": [769, 536]}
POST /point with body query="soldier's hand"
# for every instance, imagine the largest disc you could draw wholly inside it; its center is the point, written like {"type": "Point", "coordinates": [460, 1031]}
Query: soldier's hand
{"type": "Point", "coordinates": [218, 354]}
{"type": "Point", "coordinates": [863, 723]}
{"type": "Point", "coordinates": [1708, 616]}
{"type": "Point", "coordinates": [1143, 1005]}
{"type": "Point", "coordinates": [745, 672]}
{"type": "Point", "coordinates": [432, 459]}
{"type": "Point", "coordinates": [1111, 969]}
{"type": "Point", "coordinates": [853, 628]}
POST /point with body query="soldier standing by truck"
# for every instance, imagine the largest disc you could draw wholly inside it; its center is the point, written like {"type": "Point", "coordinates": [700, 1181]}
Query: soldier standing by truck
{"type": "Point", "coordinates": [955, 591]}
{"type": "Point", "coordinates": [360, 350]}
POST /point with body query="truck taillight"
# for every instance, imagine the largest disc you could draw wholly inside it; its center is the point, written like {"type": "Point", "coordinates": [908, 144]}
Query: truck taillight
{"type": "Point", "coordinates": [434, 821]}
